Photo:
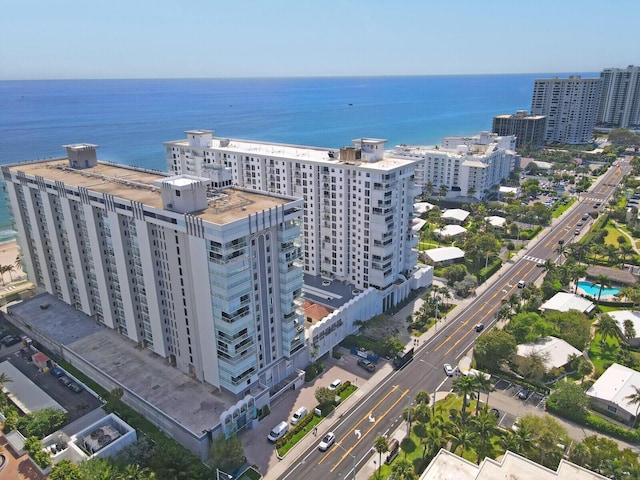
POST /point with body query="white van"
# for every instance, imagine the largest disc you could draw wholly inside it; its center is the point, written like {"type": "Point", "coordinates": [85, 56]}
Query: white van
{"type": "Point", "coordinates": [299, 415]}
{"type": "Point", "coordinates": [278, 432]}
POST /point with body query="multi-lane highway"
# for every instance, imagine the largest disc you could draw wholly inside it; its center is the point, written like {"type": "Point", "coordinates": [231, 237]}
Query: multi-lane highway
{"type": "Point", "coordinates": [381, 410]}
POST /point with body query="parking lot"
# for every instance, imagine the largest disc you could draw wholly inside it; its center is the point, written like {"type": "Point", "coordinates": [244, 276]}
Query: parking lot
{"type": "Point", "coordinates": [535, 399]}
{"type": "Point", "coordinates": [76, 404]}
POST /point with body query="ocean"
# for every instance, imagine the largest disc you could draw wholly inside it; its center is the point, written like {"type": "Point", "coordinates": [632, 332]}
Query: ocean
{"type": "Point", "coordinates": [129, 119]}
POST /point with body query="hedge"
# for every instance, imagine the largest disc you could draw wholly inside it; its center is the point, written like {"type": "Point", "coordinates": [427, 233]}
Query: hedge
{"type": "Point", "coordinates": [597, 423]}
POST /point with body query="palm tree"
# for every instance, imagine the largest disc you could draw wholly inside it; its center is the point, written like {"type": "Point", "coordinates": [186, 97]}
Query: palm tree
{"type": "Point", "coordinates": [625, 251]}
{"type": "Point", "coordinates": [483, 384]}
{"type": "Point", "coordinates": [402, 469]}
{"type": "Point", "coordinates": [629, 330]}
{"type": "Point", "coordinates": [135, 472]}
{"type": "Point", "coordinates": [4, 378]}
{"type": "Point", "coordinates": [464, 386]}
{"type": "Point", "coordinates": [381, 446]}
{"type": "Point", "coordinates": [18, 262]}
{"type": "Point", "coordinates": [10, 269]}
{"type": "Point", "coordinates": [634, 398]}
{"type": "Point", "coordinates": [463, 438]}
{"type": "Point", "coordinates": [484, 426]}
{"type": "Point", "coordinates": [549, 266]}
{"type": "Point", "coordinates": [608, 327]}
{"type": "Point", "coordinates": [604, 282]}
{"type": "Point", "coordinates": [423, 397]}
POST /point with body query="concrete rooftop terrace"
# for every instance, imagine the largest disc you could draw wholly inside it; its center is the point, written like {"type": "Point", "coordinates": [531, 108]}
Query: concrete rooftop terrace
{"type": "Point", "coordinates": [194, 405]}
{"type": "Point", "coordinates": [136, 185]}
{"type": "Point", "coordinates": [286, 151]}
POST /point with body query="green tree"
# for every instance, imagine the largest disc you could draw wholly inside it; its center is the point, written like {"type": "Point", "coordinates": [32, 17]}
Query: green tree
{"type": "Point", "coordinates": [66, 470]}
{"type": "Point", "coordinates": [381, 446]}
{"type": "Point", "coordinates": [570, 399]}
{"type": "Point", "coordinates": [324, 396]}
{"type": "Point", "coordinates": [423, 397]}
{"type": "Point", "coordinates": [41, 422]}
{"type": "Point", "coordinates": [393, 346]}
{"type": "Point", "coordinates": [227, 454]}
{"type": "Point", "coordinates": [98, 468]}
{"type": "Point", "coordinates": [136, 472]}
{"type": "Point", "coordinates": [494, 349]}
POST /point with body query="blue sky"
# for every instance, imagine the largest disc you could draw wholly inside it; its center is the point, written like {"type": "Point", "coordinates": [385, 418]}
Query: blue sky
{"type": "Point", "coordinates": [44, 39]}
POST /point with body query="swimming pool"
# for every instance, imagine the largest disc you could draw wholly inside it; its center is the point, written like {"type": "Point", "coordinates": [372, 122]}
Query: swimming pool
{"type": "Point", "coordinates": [593, 289]}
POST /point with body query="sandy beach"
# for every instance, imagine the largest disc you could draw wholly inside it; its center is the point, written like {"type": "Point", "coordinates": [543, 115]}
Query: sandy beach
{"type": "Point", "coordinates": [8, 253]}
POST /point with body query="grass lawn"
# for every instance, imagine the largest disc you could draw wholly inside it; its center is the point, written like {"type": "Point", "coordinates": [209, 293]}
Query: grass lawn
{"type": "Point", "coordinates": [602, 354]}
{"type": "Point", "coordinates": [563, 208]}
{"type": "Point", "coordinates": [612, 236]}
{"type": "Point", "coordinates": [250, 474]}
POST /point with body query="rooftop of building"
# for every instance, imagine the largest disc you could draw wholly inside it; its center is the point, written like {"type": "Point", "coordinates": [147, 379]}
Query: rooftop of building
{"type": "Point", "coordinates": [328, 293]}
{"type": "Point", "coordinates": [563, 302]}
{"type": "Point", "coordinates": [290, 151]}
{"type": "Point", "coordinates": [137, 185]}
{"type": "Point", "coordinates": [194, 405]}
{"type": "Point", "coordinates": [616, 385]}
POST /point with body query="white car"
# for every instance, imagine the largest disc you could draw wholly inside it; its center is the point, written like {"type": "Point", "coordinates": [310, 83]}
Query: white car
{"type": "Point", "coordinates": [448, 369]}
{"type": "Point", "coordinates": [326, 441]}
{"type": "Point", "coordinates": [335, 384]}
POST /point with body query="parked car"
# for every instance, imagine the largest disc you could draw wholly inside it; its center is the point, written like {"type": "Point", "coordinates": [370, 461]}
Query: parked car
{"type": "Point", "coordinates": [335, 384]}
{"type": "Point", "coordinates": [448, 369]}
{"type": "Point", "coordinates": [278, 432]}
{"type": "Point", "coordinates": [10, 340]}
{"type": "Point", "coordinates": [366, 364]}
{"type": "Point", "coordinates": [74, 387]}
{"type": "Point", "coordinates": [327, 441]}
{"type": "Point", "coordinates": [496, 412]}
{"type": "Point", "coordinates": [56, 372]}
{"type": "Point", "coordinates": [524, 393]}
{"type": "Point", "coordinates": [64, 380]}
{"type": "Point", "coordinates": [299, 415]}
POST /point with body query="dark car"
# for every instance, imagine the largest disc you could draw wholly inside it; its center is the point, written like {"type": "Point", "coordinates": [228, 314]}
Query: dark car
{"type": "Point", "coordinates": [10, 340]}
{"type": "Point", "coordinates": [64, 380]}
{"type": "Point", "coordinates": [524, 393]}
{"type": "Point", "coordinates": [479, 327]}
{"type": "Point", "coordinates": [74, 387]}
{"type": "Point", "coordinates": [56, 372]}
{"type": "Point", "coordinates": [496, 412]}
{"type": "Point", "coordinates": [366, 364]}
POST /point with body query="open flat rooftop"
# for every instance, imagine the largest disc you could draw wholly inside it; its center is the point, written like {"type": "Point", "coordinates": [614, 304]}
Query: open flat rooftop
{"type": "Point", "coordinates": [136, 185]}
{"type": "Point", "coordinates": [193, 404]}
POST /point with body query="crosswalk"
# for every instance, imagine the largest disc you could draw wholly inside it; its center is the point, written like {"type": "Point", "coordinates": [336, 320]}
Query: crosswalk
{"type": "Point", "coordinates": [593, 199]}
{"type": "Point", "coordinates": [539, 261]}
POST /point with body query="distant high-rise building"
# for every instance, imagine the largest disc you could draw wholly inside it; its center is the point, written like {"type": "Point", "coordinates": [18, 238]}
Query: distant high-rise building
{"type": "Point", "coordinates": [620, 104]}
{"type": "Point", "coordinates": [528, 129]}
{"type": "Point", "coordinates": [462, 166]}
{"type": "Point", "coordinates": [358, 202]}
{"type": "Point", "coordinates": [210, 279]}
{"type": "Point", "coordinates": [570, 105]}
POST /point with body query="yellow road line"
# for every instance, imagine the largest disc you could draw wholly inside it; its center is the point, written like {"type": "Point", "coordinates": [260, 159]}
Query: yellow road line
{"type": "Point", "coordinates": [348, 451]}
{"type": "Point", "coordinates": [365, 417]}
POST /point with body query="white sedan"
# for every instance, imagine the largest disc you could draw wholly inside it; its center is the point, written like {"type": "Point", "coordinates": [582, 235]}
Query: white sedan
{"type": "Point", "coordinates": [448, 369]}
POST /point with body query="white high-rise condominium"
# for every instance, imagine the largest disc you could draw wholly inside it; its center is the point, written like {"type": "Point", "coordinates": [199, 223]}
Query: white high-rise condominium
{"type": "Point", "coordinates": [462, 166]}
{"type": "Point", "coordinates": [210, 279]}
{"type": "Point", "coordinates": [620, 104]}
{"type": "Point", "coordinates": [358, 203]}
{"type": "Point", "coordinates": [570, 105]}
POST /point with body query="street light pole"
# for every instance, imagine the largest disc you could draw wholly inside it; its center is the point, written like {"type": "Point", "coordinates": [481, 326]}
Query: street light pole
{"type": "Point", "coordinates": [353, 457]}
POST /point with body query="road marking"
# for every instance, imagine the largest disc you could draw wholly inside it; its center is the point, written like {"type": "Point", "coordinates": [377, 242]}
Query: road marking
{"type": "Point", "coordinates": [370, 412]}
{"type": "Point", "coordinates": [350, 449]}
{"type": "Point", "coordinates": [358, 434]}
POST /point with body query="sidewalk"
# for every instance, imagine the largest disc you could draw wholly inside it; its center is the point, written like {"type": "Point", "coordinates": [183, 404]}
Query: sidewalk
{"type": "Point", "coordinates": [280, 467]}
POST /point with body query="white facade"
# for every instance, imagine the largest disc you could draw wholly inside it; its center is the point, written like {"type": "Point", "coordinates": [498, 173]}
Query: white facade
{"type": "Point", "coordinates": [570, 105]}
{"type": "Point", "coordinates": [358, 203]}
{"type": "Point", "coordinates": [466, 166]}
{"type": "Point", "coordinates": [210, 280]}
{"type": "Point", "coordinates": [620, 104]}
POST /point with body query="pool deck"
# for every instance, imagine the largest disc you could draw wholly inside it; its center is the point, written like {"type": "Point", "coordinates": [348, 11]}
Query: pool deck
{"type": "Point", "coordinates": [606, 292]}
